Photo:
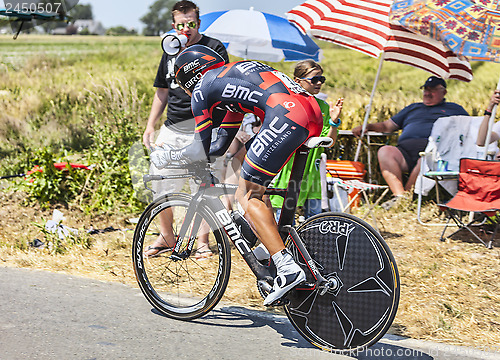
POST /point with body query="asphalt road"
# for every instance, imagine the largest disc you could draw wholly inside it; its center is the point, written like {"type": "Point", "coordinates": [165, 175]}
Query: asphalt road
{"type": "Point", "coordinates": [45, 315]}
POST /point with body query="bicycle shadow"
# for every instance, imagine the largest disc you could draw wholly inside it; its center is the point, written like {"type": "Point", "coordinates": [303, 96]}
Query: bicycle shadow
{"type": "Point", "coordinates": [241, 318]}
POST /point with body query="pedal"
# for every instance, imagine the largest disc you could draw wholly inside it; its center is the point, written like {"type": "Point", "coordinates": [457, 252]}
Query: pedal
{"type": "Point", "coordinates": [264, 287]}
{"type": "Point", "coordinates": [279, 302]}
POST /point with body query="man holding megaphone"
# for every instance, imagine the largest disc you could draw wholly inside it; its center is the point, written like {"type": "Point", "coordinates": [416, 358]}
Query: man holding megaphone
{"type": "Point", "coordinates": [178, 128]}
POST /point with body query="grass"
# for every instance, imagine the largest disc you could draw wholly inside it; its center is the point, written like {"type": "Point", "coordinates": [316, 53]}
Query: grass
{"type": "Point", "coordinates": [87, 99]}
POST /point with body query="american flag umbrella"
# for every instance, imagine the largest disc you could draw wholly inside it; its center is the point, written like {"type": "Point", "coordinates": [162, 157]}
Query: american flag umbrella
{"type": "Point", "coordinates": [363, 25]}
{"type": "Point", "coordinates": [468, 28]}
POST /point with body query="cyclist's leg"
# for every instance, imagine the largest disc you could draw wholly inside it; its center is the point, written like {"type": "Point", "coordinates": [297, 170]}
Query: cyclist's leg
{"type": "Point", "coordinates": [260, 216]}
{"type": "Point", "coordinates": [289, 274]}
{"type": "Point", "coordinates": [276, 141]}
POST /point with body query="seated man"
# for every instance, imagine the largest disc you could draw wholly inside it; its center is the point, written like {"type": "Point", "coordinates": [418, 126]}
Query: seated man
{"type": "Point", "coordinates": [483, 129]}
{"type": "Point", "coordinates": [415, 121]}
{"type": "Point", "coordinates": [220, 96]}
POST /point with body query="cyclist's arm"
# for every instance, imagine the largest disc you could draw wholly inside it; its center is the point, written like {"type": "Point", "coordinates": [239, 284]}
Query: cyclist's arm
{"type": "Point", "coordinates": [198, 149]}
{"type": "Point", "coordinates": [228, 129]}
{"type": "Point", "coordinates": [201, 148]}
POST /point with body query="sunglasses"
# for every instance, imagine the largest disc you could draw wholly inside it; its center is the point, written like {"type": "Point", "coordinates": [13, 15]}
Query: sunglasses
{"type": "Point", "coordinates": [190, 24]}
{"type": "Point", "coordinates": [315, 79]}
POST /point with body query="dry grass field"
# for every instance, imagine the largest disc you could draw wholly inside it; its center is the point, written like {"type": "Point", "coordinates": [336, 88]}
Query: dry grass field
{"type": "Point", "coordinates": [449, 290]}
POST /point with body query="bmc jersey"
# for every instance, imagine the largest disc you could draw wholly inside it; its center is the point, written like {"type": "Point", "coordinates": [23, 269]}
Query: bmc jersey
{"type": "Point", "coordinates": [289, 115]}
{"type": "Point", "coordinates": [179, 115]}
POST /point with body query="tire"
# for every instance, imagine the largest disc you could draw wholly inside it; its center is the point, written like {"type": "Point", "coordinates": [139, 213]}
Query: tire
{"type": "Point", "coordinates": [181, 289]}
{"type": "Point", "coordinates": [361, 310]}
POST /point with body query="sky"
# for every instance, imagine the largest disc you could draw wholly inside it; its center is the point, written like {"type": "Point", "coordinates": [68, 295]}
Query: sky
{"type": "Point", "coordinates": [128, 12]}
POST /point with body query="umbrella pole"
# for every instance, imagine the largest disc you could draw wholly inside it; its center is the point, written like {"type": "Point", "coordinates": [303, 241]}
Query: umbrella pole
{"type": "Point", "coordinates": [367, 115]}
{"type": "Point", "coordinates": [490, 126]}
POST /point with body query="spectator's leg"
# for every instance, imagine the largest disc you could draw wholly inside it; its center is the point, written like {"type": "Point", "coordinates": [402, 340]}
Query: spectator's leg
{"type": "Point", "coordinates": [413, 177]}
{"type": "Point", "coordinates": [392, 165]}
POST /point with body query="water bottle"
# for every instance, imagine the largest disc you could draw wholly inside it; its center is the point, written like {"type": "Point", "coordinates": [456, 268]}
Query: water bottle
{"type": "Point", "coordinates": [245, 229]}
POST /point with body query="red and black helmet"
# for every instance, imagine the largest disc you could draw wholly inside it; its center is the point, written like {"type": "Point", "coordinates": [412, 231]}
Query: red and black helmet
{"type": "Point", "coordinates": [193, 62]}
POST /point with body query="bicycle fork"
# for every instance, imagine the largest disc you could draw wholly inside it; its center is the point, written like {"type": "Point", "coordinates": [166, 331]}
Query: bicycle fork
{"type": "Point", "coordinates": [190, 214]}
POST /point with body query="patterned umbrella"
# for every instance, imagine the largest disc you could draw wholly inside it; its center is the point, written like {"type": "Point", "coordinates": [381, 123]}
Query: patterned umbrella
{"type": "Point", "coordinates": [468, 28]}
{"type": "Point", "coordinates": [252, 34]}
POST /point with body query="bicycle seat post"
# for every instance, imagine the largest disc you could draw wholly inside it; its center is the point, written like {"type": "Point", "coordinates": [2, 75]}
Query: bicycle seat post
{"type": "Point", "coordinates": [293, 190]}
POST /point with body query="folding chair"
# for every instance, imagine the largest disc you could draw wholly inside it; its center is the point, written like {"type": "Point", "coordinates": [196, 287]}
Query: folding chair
{"type": "Point", "coordinates": [452, 138]}
{"type": "Point", "coordinates": [478, 192]}
{"type": "Point", "coordinates": [348, 175]}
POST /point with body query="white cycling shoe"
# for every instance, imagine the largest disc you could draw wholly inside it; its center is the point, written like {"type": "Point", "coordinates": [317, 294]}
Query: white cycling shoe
{"type": "Point", "coordinates": [289, 274]}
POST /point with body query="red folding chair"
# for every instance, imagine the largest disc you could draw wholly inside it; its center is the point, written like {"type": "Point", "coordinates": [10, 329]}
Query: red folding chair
{"type": "Point", "coordinates": [479, 193]}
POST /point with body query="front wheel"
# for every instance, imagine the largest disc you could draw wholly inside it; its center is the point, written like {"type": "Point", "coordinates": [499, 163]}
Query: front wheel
{"type": "Point", "coordinates": [359, 311]}
{"type": "Point", "coordinates": [186, 287]}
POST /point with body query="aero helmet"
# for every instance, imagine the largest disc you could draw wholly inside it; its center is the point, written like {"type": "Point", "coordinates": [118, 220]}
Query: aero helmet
{"type": "Point", "coordinates": [193, 62]}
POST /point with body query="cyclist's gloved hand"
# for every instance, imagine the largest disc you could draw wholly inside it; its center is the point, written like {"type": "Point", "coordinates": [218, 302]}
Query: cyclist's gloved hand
{"type": "Point", "coordinates": [164, 155]}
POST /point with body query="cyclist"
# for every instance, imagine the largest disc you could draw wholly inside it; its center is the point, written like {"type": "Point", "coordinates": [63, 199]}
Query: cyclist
{"type": "Point", "coordinates": [220, 96]}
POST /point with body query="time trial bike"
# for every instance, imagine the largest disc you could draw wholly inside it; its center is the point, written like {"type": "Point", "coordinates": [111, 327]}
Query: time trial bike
{"type": "Point", "coordinates": [351, 293]}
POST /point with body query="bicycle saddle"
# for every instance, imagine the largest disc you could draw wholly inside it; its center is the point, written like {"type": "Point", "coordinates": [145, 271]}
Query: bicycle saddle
{"type": "Point", "coordinates": [317, 141]}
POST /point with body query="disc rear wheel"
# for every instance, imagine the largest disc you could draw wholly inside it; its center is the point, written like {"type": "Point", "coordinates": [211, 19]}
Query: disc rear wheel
{"type": "Point", "coordinates": [358, 312]}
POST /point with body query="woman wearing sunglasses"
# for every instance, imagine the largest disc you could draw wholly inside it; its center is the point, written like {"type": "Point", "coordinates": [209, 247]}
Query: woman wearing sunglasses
{"type": "Point", "coordinates": [309, 75]}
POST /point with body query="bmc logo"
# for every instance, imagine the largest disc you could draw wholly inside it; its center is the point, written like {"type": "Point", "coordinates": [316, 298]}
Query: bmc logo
{"type": "Point", "coordinates": [232, 231]}
{"type": "Point", "coordinates": [289, 104]}
{"type": "Point", "coordinates": [266, 137]}
{"type": "Point", "coordinates": [190, 66]}
{"type": "Point", "coordinates": [240, 92]}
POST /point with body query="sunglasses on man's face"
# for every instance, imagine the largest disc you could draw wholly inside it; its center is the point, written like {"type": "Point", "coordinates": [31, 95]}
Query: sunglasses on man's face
{"type": "Point", "coordinates": [190, 24]}
{"type": "Point", "coordinates": [316, 79]}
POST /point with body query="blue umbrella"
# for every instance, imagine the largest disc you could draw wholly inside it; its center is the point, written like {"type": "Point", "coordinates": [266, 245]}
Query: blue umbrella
{"type": "Point", "coordinates": [256, 35]}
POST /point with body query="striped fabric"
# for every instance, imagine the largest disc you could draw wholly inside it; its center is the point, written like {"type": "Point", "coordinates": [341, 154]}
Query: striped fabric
{"type": "Point", "coordinates": [346, 169]}
{"type": "Point", "coordinates": [363, 25]}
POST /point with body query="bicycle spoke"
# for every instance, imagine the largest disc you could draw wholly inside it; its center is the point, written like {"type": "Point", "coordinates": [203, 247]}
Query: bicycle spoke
{"type": "Point", "coordinates": [181, 286]}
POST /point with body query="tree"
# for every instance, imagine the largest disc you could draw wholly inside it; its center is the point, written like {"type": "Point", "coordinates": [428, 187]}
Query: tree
{"type": "Point", "coordinates": [82, 12]}
{"type": "Point", "coordinates": [158, 19]}
{"type": "Point", "coordinates": [120, 31]}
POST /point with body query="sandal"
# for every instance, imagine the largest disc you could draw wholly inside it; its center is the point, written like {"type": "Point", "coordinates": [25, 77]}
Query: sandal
{"type": "Point", "coordinates": [159, 250]}
{"type": "Point", "coordinates": [202, 254]}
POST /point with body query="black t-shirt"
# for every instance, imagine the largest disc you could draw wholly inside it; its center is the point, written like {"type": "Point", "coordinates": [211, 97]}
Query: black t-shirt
{"type": "Point", "coordinates": [179, 115]}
